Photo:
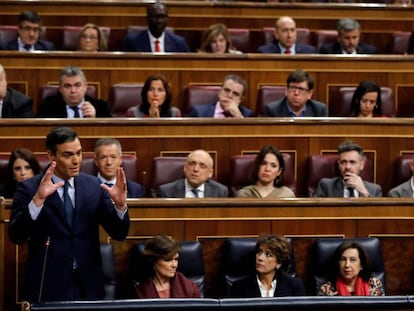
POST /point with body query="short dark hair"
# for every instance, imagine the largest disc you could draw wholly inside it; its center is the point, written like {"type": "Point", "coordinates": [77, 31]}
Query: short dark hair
{"type": "Point", "coordinates": [298, 76]}
{"type": "Point", "coordinates": [160, 247]}
{"type": "Point", "coordinates": [156, 4]}
{"type": "Point", "coordinates": [365, 273]}
{"type": "Point", "coordinates": [59, 135]}
{"type": "Point", "coordinates": [279, 246]}
{"type": "Point", "coordinates": [350, 146]}
{"type": "Point", "coordinates": [363, 88]}
{"type": "Point", "coordinates": [165, 108]}
{"type": "Point", "coordinates": [278, 182]}
{"type": "Point", "coordinates": [237, 79]}
{"type": "Point", "coordinates": [29, 16]}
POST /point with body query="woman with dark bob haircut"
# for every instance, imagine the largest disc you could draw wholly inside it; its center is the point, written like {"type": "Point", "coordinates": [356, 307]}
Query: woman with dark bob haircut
{"type": "Point", "coordinates": [366, 101]}
{"type": "Point", "coordinates": [156, 96]}
{"type": "Point", "coordinates": [165, 281]}
{"type": "Point", "coordinates": [22, 165]}
{"type": "Point", "coordinates": [267, 176]}
{"type": "Point", "coordinates": [352, 273]}
{"type": "Point", "coordinates": [271, 279]}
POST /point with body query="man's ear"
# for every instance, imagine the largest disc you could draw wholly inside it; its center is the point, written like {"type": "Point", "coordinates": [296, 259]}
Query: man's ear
{"type": "Point", "coordinates": [50, 155]}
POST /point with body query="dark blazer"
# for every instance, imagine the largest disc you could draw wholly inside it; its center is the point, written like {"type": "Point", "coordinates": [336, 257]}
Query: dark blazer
{"type": "Point", "coordinates": [207, 111]}
{"type": "Point", "coordinates": [299, 48]}
{"type": "Point", "coordinates": [55, 107]}
{"type": "Point", "coordinates": [180, 287]}
{"type": "Point", "coordinates": [16, 105]}
{"type": "Point", "coordinates": [93, 208]}
{"type": "Point", "coordinates": [335, 48]}
{"type": "Point", "coordinates": [140, 42]}
{"type": "Point", "coordinates": [134, 189]}
{"type": "Point", "coordinates": [334, 187]}
{"type": "Point", "coordinates": [279, 108]}
{"type": "Point", "coordinates": [41, 45]}
{"type": "Point", "coordinates": [403, 190]}
{"type": "Point", "coordinates": [176, 189]}
{"type": "Point", "coordinates": [285, 286]}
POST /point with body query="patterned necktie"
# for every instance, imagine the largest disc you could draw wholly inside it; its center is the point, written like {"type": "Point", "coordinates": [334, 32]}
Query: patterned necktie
{"type": "Point", "coordinates": [67, 203]}
{"type": "Point", "coordinates": [75, 110]}
{"type": "Point", "coordinates": [287, 51]}
{"type": "Point", "coordinates": [195, 192]}
{"type": "Point", "coordinates": [157, 46]}
{"type": "Point", "coordinates": [351, 192]}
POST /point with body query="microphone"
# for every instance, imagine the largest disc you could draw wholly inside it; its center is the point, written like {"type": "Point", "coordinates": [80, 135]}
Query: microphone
{"type": "Point", "coordinates": [42, 279]}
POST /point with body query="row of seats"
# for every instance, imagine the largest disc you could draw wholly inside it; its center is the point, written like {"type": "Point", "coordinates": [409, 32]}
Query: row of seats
{"type": "Point", "coordinates": [239, 258]}
{"type": "Point", "coordinates": [167, 169]}
{"type": "Point", "coordinates": [242, 38]}
{"type": "Point", "coordinates": [123, 96]}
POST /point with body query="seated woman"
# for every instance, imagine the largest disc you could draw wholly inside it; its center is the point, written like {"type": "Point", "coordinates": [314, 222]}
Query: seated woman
{"type": "Point", "coordinates": [267, 176]}
{"type": "Point", "coordinates": [271, 279]}
{"type": "Point", "coordinates": [156, 96]}
{"type": "Point", "coordinates": [92, 39]}
{"type": "Point", "coordinates": [216, 39]}
{"type": "Point", "coordinates": [353, 274]}
{"type": "Point", "coordinates": [366, 101]}
{"type": "Point", "coordinates": [22, 165]}
{"type": "Point", "coordinates": [165, 281]}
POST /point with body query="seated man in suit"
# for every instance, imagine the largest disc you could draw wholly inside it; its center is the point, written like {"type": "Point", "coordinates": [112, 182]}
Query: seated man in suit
{"type": "Point", "coordinates": [349, 35]}
{"type": "Point", "coordinates": [229, 98]}
{"type": "Point", "coordinates": [29, 32]}
{"type": "Point", "coordinates": [108, 157]}
{"type": "Point", "coordinates": [349, 184]}
{"type": "Point", "coordinates": [298, 101]}
{"type": "Point", "coordinates": [155, 39]}
{"type": "Point", "coordinates": [285, 39]}
{"type": "Point", "coordinates": [197, 183]}
{"type": "Point", "coordinates": [13, 104]}
{"type": "Point", "coordinates": [404, 190]}
{"type": "Point", "coordinates": [72, 101]}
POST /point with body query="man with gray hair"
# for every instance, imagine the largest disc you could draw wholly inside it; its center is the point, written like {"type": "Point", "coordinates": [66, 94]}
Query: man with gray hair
{"type": "Point", "coordinates": [72, 100]}
{"type": "Point", "coordinates": [349, 36]}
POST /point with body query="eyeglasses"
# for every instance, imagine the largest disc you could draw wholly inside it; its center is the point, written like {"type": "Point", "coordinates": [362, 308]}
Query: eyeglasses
{"type": "Point", "coordinates": [301, 90]}
{"type": "Point", "coordinates": [86, 37]}
{"type": "Point", "coordinates": [29, 29]}
{"type": "Point", "coordinates": [228, 92]}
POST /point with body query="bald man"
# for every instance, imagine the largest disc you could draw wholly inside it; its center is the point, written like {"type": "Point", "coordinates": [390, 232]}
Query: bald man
{"type": "Point", "coordinates": [198, 170]}
{"type": "Point", "coordinates": [285, 39]}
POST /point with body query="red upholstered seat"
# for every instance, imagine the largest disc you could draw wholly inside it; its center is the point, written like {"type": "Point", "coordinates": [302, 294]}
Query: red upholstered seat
{"type": "Point", "coordinates": [53, 89]}
{"type": "Point", "coordinates": [267, 94]}
{"type": "Point", "coordinates": [164, 170]}
{"type": "Point", "coordinates": [70, 38]}
{"type": "Point", "coordinates": [242, 165]}
{"type": "Point", "coordinates": [303, 35]}
{"type": "Point", "coordinates": [7, 33]}
{"type": "Point", "coordinates": [400, 42]}
{"type": "Point", "coordinates": [200, 95]}
{"type": "Point", "coordinates": [124, 96]}
{"type": "Point", "coordinates": [321, 37]}
{"type": "Point", "coordinates": [402, 171]}
{"type": "Point", "coordinates": [240, 38]}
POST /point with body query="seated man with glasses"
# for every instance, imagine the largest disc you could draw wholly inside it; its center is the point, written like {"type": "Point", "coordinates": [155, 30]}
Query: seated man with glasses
{"type": "Point", "coordinates": [298, 101]}
{"type": "Point", "coordinates": [28, 35]}
{"type": "Point", "coordinates": [229, 98]}
{"type": "Point", "coordinates": [155, 39]}
{"type": "Point", "coordinates": [72, 100]}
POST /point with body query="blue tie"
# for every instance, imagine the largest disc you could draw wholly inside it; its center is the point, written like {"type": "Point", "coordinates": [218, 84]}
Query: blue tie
{"type": "Point", "coordinates": [195, 191]}
{"type": "Point", "coordinates": [75, 110]}
{"type": "Point", "coordinates": [67, 203]}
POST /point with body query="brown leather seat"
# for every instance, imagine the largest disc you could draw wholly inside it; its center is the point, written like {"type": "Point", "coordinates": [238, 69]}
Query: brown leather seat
{"type": "Point", "coordinates": [325, 166]}
{"type": "Point", "coordinates": [53, 89]}
{"type": "Point", "coordinates": [200, 95]}
{"type": "Point", "coordinates": [70, 38]}
{"type": "Point", "coordinates": [303, 35]}
{"type": "Point", "coordinates": [240, 38]}
{"type": "Point", "coordinates": [124, 96]}
{"type": "Point", "coordinates": [242, 165]}
{"type": "Point", "coordinates": [402, 171]}
{"type": "Point", "coordinates": [164, 170]}
{"type": "Point", "coordinates": [321, 37]}
{"type": "Point", "coordinates": [341, 107]}
{"type": "Point", "coordinates": [267, 94]}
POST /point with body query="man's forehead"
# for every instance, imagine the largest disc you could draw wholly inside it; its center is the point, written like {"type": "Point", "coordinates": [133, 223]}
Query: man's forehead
{"type": "Point", "coordinates": [70, 146]}
{"type": "Point", "coordinates": [349, 155]}
{"type": "Point", "coordinates": [232, 84]}
{"type": "Point", "coordinates": [72, 79]}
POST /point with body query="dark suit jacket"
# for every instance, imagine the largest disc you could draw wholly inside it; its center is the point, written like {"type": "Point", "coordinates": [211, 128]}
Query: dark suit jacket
{"type": "Point", "coordinates": [334, 187]}
{"type": "Point", "coordinates": [16, 105]}
{"type": "Point", "coordinates": [134, 189]}
{"type": "Point", "coordinates": [176, 189]}
{"type": "Point", "coordinates": [140, 42]}
{"type": "Point", "coordinates": [335, 48]}
{"type": "Point", "coordinates": [41, 45]}
{"type": "Point", "coordinates": [299, 48]}
{"type": "Point", "coordinates": [55, 107]}
{"type": "Point", "coordinates": [93, 207]}
{"type": "Point", "coordinates": [181, 287]}
{"type": "Point", "coordinates": [207, 111]}
{"type": "Point", "coordinates": [279, 108]}
{"type": "Point", "coordinates": [285, 286]}
{"type": "Point", "coordinates": [403, 190]}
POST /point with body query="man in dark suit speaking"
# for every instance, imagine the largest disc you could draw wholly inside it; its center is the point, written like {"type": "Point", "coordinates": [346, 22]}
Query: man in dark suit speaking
{"type": "Point", "coordinates": [197, 183]}
{"type": "Point", "coordinates": [155, 39]}
{"type": "Point", "coordinates": [59, 213]}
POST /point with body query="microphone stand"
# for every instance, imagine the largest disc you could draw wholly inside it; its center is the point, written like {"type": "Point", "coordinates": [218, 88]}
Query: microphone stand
{"type": "Point", "coordinates": [44, 269]}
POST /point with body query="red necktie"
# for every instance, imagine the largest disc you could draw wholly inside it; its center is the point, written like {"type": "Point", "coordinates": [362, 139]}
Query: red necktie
{"type": "Point", "coordinates": [287, 51]}
{"type": "Point", "coordinates": [157, 46]}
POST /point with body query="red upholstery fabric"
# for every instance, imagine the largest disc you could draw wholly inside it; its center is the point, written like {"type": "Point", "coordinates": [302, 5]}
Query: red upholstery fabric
{"type": "Point", "coordinates": [165, 170]}
{"type": "Point", "coordinates": [402, 171]}
{"type": "Point", "coordinates": [53, 89]}
{"type": "Point", "coordinates": [303, 35]}
{"type": "Point", "coordinates": [7, 33]}
{"type": "Point", "coordinates": [325, 166]}
{"type": "Point", "coordinates": [70, 36]}
{"type": "Point", "coordinates": [123, 96]}
{"type": "Point", "coordinates": [240, 38]}
{"type": "Point", "coordinates": [400, 42]}
{"type": "Point", "coordinates": [242, 165]}
{"type": "Point", "coordinates": [267, 94]}
{"type": "Point", "coordinates": [200, 95]}
{"type": "Point", "coordinates": [321, 37]}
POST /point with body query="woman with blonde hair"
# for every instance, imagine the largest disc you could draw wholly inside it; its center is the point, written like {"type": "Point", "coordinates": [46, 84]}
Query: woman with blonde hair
{"type": "Point", "coordinates": [92, 39]}
{"type": "Point", "coordinates": [216, 39]}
